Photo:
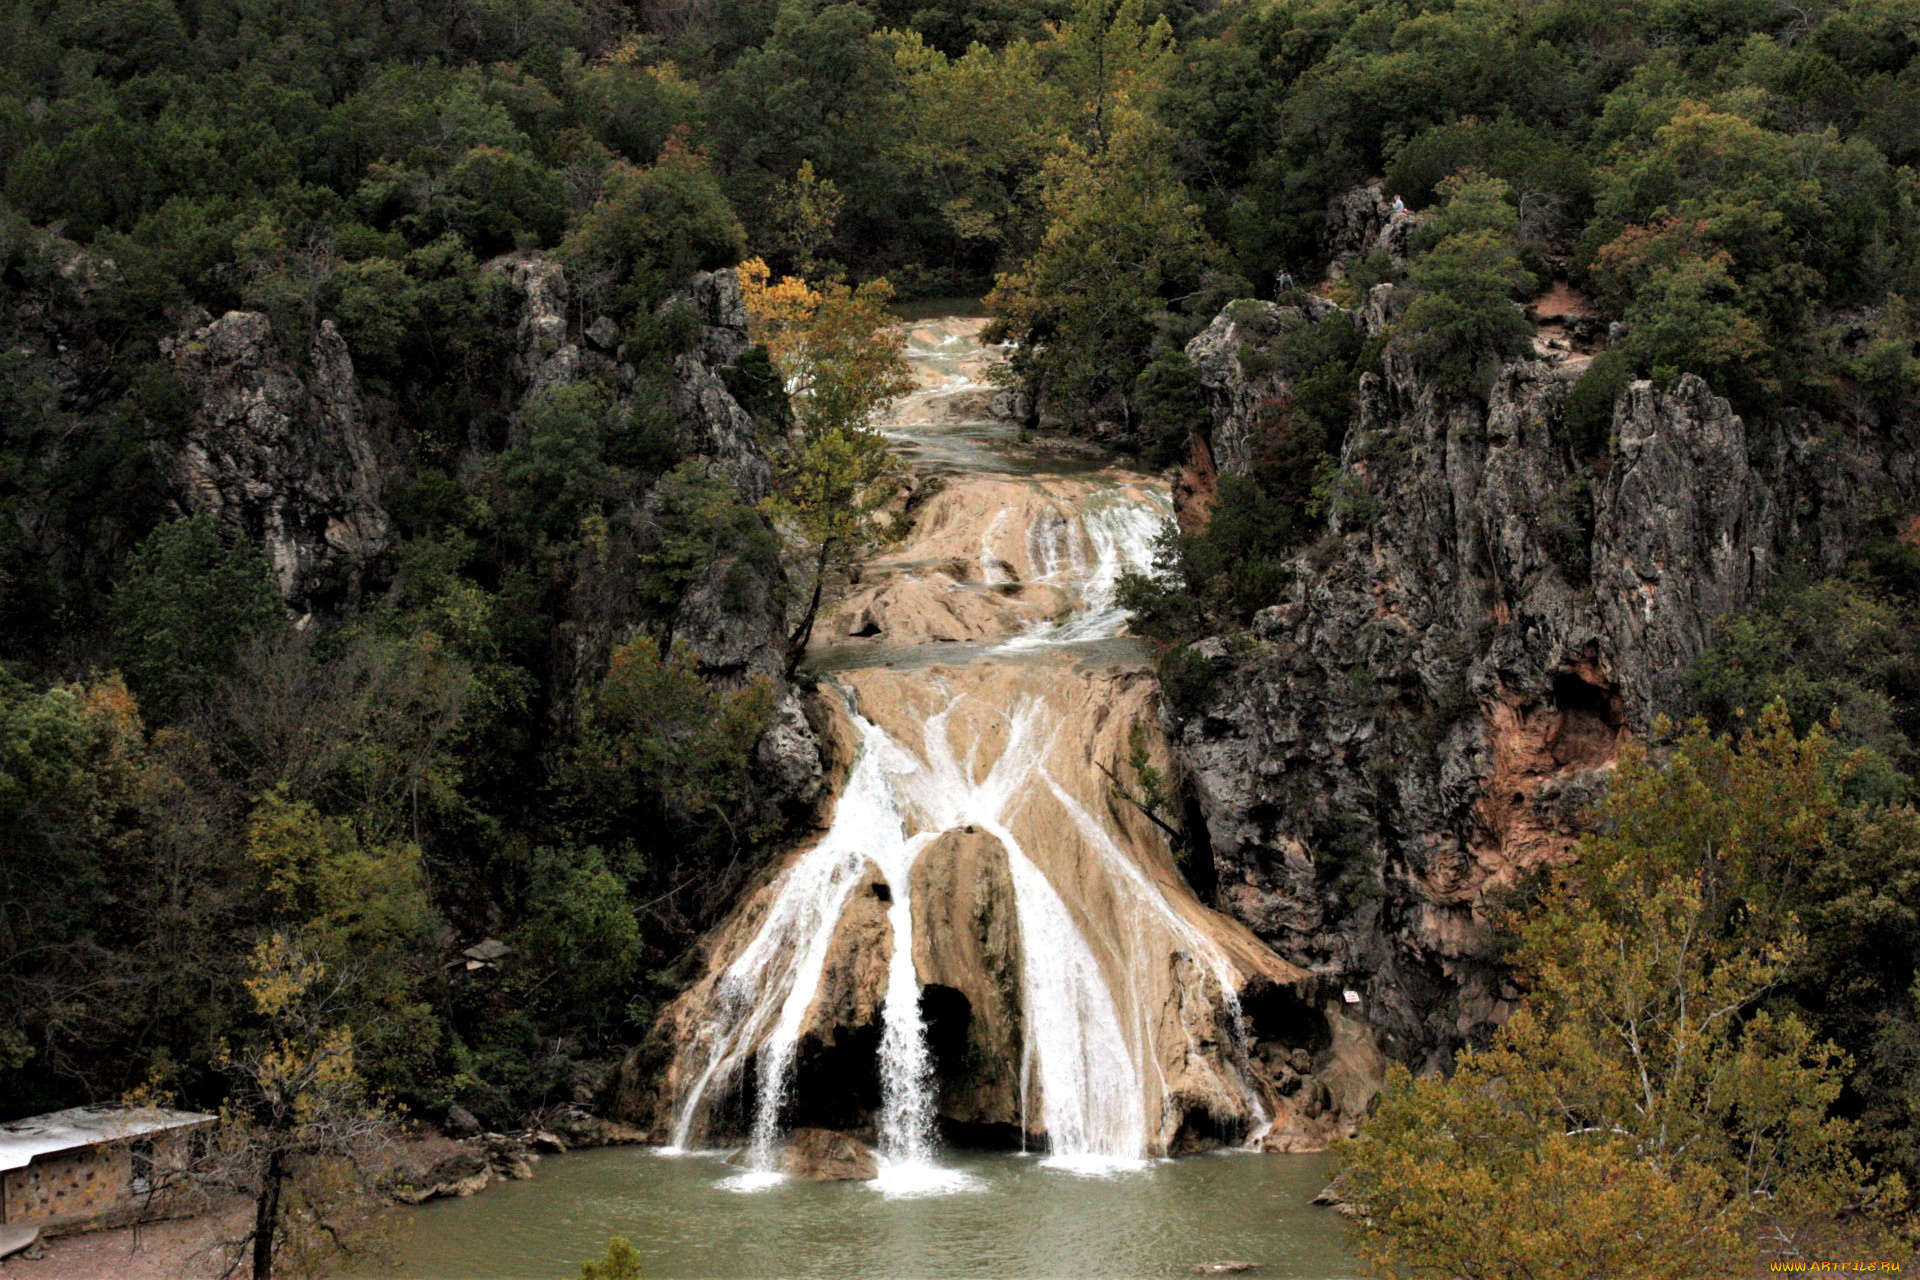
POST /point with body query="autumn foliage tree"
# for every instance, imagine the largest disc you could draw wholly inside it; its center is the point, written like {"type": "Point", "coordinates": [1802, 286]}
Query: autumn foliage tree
{"type": "Point", "coordinates": [300, 1134]}
{"type": "Point", "coordinates": [1654, 1108]}
{"type": "Point", "coordinates": [835, 346]}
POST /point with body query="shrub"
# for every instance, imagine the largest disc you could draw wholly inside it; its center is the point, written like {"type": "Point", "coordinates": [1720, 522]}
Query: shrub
{"type": "Point", "coordinates": [1587, 412]}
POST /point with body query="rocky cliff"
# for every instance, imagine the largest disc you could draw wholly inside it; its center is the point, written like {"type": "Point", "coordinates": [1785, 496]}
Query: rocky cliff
{"type": "Point", "coordinates": [280, 454]}
{"type": "Point", "coordinates": [286, 447]}
{"type": "Point", "coordinates": [1452, 667]}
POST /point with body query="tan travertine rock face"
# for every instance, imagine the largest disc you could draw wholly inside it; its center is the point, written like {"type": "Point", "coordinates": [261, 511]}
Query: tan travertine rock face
{"type": "Point", "coordinates": [853, 985]}
{"type": "Point", "coordinates": [1058, 724]}
{"type": "Point", "coordinates": [954, 388]}
{"type": "Point", "coordinates": [991, 803]}
{"type": "Point", "coordinates": [988, 558]}
{"type": "Point", "coordinates": [966, 938]}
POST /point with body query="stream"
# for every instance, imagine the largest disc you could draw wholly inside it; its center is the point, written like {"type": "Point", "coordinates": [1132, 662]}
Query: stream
{"type": "Point", "coordinates": [986, 945]}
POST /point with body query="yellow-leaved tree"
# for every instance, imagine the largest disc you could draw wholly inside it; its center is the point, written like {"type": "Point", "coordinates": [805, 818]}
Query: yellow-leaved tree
{"type": "Point", "coordinates": [1648, 1111]}
{"type": "Point", "coordinates": [300, 1134]}
{"type": "Point", "coordinates": [841, 358]}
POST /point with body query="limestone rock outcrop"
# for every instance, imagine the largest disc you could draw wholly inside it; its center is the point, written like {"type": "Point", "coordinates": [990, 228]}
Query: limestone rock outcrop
{"type": "Point", "coordinates": [545, 358]}
{"type": "Point", "coordinates": [283, 456]}
{"type": "Point", "coordinates": [712, 423]}
{"type": "Point", "coordinates": [1361, 222]}
{"type": "Point", "coordinates": [1239, 398]}
{"type": "Point", "coordinates": [732, 617]}
{"type": "Point", "coordinates": [1451, 669]}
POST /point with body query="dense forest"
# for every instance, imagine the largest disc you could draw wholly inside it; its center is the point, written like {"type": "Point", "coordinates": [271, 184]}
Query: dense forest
{"type": "Point", "coordinates": [200, 749]}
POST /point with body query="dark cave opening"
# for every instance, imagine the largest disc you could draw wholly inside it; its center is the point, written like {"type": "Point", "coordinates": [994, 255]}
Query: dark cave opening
{"type": "Point", "coordinates": [1587, 720]}
{"type": "Point", "coordinates": [1201, 1130]}
{"type": "Point", "coordinates": [1277, 1015]}
{"type": "Point", "coordinates": [1571, 693]}
{"type": "Point", "coordinates": [948, 1016]}
{"type": "Point", "coordinates": [836, 1082]}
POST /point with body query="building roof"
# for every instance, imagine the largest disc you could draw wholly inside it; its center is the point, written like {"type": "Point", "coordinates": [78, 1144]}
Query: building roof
{"type": "Point", "coordinates": [21, 1141]}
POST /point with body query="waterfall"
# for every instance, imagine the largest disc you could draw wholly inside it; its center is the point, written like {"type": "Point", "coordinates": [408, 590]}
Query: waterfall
{"type": "Point", "coordinates": [1098, 934]}
{"type": "Point", "coordinates": [1089, 1085]}
{"type": "Point", "coordinates": [1120, 530]}
{"type": "Point", "coordinates": [764, 994]}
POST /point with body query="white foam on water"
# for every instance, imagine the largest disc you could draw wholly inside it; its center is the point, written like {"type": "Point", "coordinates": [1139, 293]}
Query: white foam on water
{"type": "Point", "coordinates": [751, 1180]}
{"type": "Point", "coordinates": [1051, 544]}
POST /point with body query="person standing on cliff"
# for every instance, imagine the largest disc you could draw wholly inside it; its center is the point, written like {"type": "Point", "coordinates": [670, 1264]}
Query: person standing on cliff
{"type": "Point", "coordinates": [1283, 283]}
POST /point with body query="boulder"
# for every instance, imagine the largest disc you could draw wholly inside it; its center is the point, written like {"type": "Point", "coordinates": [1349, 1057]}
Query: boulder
{"type": "Point", "coordinates": [827, 1155]}
{"type": "Point", "coordinates": [462, 1173]}
{"type": "Point", "coordinates": [712, 423]}
{"type": "Point", "coordinates": [460, 1122]}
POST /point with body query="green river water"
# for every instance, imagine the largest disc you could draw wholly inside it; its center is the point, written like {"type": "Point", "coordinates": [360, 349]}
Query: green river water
{"type": "Point", "coordinates": [1019, 1222]}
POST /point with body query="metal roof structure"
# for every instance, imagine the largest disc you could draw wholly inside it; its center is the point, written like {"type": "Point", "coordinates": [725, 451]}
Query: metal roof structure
{"type": "Point", "coordinates": [22, 1141]}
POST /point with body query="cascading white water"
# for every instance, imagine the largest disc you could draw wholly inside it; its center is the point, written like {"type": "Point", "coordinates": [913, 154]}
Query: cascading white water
{"type": "Point", "coordinates": [1148, 899]}
{"type": "Point", "coordinates": [1089, 1056]}
{"type": "Point", "coordinates": [1120, 529]}
{"type": "Point", "coordinates": [1089, 1083]}
{"type": "Point", "coordinates": [764, 993]}
{"type": "Point", "coordinates": [1051, 545]}
{"type": "Point", "coordinates": [1076, 1050]}
{"type": "Point", "coordinates": [990, 571]}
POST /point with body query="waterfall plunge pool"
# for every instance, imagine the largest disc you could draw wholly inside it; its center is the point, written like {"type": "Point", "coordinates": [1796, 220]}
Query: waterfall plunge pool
{"type": "Point", "coordinates": [1020, 1222]}
{"type": "Point", "coordinates": [1018, 1218]}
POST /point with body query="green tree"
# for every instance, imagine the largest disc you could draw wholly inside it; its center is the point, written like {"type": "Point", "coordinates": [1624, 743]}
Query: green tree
{"type": "Point", "coordinates": [580, 947]}
{"type": "Point", "coordinates": [621, 1261]}
{"type": "Point", "coordinates": [500, 200]}
{"type": "Point", "coordinates": [1123, 239]}
{"type": "Point", "coordinates": [650, 230]}
{"type": "Point", "coordinates": [1836, 653]}
{"type": "Point", "coordinates": [821, 89]}
{"type": "Point", "coordinates": [363, 912]}
{"type": "Point", "coordinates": [1683, 306]}
{"type": "Point", "coordinates": [1464, 315]}
{"type": "Point", "coordinates": [978, 130]}
{"type": "Point", "coordinates": [188, 599]}
{"type": "Point", "coordinates": [1858, 979]}
{"type": "Point", "coordinates": [300, 1136]}
{"type": "Point", "coordinates": [834, 488]}
{"type": "Point", "coordinates": [835, 479]}
{"type": "Point", "coordinates": [662, 746]}
{"type": "Point", "coordinates": [119, 903]}
{"type": "Point", "coordinates": [1652, 1108]}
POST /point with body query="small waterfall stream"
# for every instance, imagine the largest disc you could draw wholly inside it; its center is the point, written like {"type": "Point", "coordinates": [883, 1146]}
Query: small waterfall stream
{"type": "Point", "coordinates": [987, 747]}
